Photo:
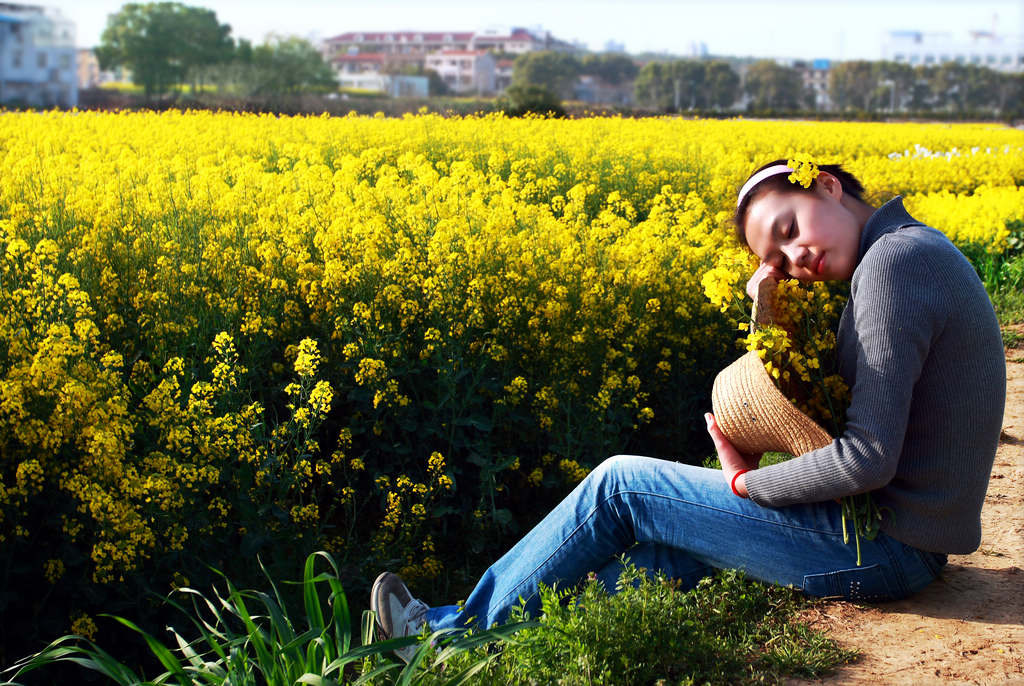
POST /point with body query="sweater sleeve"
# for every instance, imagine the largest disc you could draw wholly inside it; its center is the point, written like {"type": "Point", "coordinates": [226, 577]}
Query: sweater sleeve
{"type": "Point", "coordinates": [898, 302]}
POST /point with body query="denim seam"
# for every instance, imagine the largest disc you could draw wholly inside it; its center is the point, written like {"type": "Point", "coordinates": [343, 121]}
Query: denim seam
{"type": "Point", "coordinates": [900, 574]}
{"type": "Point", "coordinates": [617, 494]}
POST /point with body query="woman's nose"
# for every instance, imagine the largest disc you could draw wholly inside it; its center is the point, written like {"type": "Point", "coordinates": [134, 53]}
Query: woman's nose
{"type": "Point", "coordinates": [798, 255]}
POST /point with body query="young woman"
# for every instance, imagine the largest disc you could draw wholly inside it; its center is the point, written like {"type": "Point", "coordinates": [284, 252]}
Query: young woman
{"type": "Point", "coordinates": [920, 348]}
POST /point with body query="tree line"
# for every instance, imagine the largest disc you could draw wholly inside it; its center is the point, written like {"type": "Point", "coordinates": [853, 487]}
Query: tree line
{"type": "Point", "coordinates": [765, 85]}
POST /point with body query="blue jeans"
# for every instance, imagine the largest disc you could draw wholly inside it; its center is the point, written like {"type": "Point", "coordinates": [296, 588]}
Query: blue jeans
{"type": "Point", "coordinates": [685, 521]}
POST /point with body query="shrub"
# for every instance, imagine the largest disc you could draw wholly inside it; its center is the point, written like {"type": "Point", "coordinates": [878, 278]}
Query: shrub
{"type": "Point", "coordinates": [727, 630]}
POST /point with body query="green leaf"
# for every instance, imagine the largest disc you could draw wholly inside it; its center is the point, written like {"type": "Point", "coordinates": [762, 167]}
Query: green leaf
{"type": "Point", "coordinates": [158, 649]}
{"type": "Point", "coordinates": [314, 612]}
{"type": "Point", "coordinates": [315, 680]}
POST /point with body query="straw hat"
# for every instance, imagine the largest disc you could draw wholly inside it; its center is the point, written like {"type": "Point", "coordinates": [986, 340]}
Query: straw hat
{"type": "Point", "coordinates": [751, 411]}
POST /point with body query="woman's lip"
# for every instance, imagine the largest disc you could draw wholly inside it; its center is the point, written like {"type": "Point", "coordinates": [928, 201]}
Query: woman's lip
{"type": "Point", "coordinates": [819, 264]}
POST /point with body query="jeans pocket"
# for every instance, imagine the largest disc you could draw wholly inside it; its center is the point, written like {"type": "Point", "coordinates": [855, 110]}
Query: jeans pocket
{"type": "Point", "coordinates": [860, 583]}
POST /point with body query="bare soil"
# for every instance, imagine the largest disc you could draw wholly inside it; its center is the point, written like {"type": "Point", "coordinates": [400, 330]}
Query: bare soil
{"type": "Point", "coordinates": [967, 627]}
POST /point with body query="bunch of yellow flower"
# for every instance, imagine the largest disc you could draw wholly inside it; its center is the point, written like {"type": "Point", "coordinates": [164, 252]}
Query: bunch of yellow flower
{"type": "Point", "coordinates": [798, 349]}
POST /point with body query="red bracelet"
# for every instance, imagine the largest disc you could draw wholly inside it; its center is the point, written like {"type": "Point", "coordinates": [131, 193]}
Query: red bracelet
{"type": "Point", "coordinates": [732, 484]}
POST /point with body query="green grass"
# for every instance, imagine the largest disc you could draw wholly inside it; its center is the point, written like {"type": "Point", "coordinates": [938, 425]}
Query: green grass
{"type": "Point", "coordinates": [247, 637]}
{"type": "Point", "coordinates": [727, 630]}
{"type": "Point", "coordinates": [1012, 338]}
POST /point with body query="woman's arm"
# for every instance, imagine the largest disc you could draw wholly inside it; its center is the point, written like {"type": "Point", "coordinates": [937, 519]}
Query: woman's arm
{"type": "Point", "coordinates": [898, 303]}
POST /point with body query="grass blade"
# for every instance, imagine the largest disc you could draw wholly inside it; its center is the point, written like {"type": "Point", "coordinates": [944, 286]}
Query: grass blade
{"type": "Point", "coordinates": [255, 633]}
{"type": "Point", "coordinates": [342, 617]}
{"type": "Point", "coordinates": [314, 611]}
{"type": "Point", "coordinates": [167, 659]}
{"type": "Point", "coordinates": [383, 669]}
{"type": "Point", "coordinates": [315, 680]}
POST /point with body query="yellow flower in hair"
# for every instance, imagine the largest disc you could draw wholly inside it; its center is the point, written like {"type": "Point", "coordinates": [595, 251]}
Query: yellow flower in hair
{"type": "Point", "coordinates": [804, 170]}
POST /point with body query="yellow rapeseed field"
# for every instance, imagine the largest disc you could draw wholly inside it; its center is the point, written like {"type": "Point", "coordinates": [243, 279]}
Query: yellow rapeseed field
{"type": "Point", "coordinates": [387, 337]}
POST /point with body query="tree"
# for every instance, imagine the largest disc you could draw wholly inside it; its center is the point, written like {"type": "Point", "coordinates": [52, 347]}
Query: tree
{"type": "Point", "coordinates": [722, 84]}
{"type": "Point", "coordinates": [520, 99]}
{"type": "Point", "coordinates": [290, 65]}
{"type": "Point", "coordinates": [554, 71]}
{"type": "Point", "coordinates": [1010, 95]}
{"type": "Point", "coordinates": [690, 84]}
{"type": "Point", "coordinates": [852, 85]}
{"type": "Point", "coordinates": [687, 84]}
{"type": "Point", "coordinates": [921, 95]}
{"type": "Point", "coordinates": [982, 87]}
{"type": "Point", "coordinates": [280, 66]}
{"type": "Point", "coordinates": [899, 81]}
{"type": "Point", "coordinates": [949, 84]}
{"type": "Point", "coordinates": [243, 51]}
{"type": "Point", "coordinates": [162, 42]}
{"type": "Point", "coordinates": [651, 85]}
{"type": "Point", "coordinates": [771, 86]}
{"type": "Point", "coordinates": [612, 68]}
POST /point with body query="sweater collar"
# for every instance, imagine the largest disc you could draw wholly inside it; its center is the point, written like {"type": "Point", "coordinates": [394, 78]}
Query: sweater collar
{"type": "Point", "coordinates": [885, 219]}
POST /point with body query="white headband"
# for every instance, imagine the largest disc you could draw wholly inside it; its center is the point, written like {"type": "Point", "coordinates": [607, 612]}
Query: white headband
{"type": "Point", "coordinates": [759, 177]}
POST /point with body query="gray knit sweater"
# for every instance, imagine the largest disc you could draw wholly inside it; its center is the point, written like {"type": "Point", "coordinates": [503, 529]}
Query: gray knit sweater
{"type": "Point", "coordinates": [920, 347]}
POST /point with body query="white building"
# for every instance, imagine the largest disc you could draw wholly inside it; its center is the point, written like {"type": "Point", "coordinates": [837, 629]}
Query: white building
{"type": "Point", "coordinates": [395, 42]}
{"type": "Point", "coordinates": [361, 71]}
{"type": "Point", "coordinates": [370, 72]}
{"type": "Point", "coordinates": [503, 71]}
{"type": "Point", "coordinates": [516, 41]}
{"type": "Point", "coordinates": [981, 48]}
{"type": "Point", "coordinates": [37, 56]}
{"type": "Point", "coordinates": [511, 40]}
{"type": "Point", "coordinates": [816, 76]}
{"type": "Point", "coordinates": [465, 71]}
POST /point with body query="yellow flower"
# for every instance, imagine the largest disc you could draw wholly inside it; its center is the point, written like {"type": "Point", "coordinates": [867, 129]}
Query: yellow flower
{"type": "Point", "coordinates": [83, 625]}
{"type": "Point", "coordinates": [53, 570]}
{"type": "Point", "coordinates": [804, 172]}
{"type": "Point", "coordinates": [308, 360]}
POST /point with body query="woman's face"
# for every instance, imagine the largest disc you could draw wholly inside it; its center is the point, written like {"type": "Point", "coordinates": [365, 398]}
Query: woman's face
{"type": "Point", "coordinates": [809, 236]}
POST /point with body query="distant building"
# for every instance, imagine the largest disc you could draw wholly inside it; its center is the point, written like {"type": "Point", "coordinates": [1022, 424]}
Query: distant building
{"type": "Point", "coordinates": [614, 46]}
{"type": "Point", "coordinates": [361, 71]}
{"type": "Point", "coordinates": [88, 69]}
{"type": "Point", "coordinates": [375, 72]}
{"type": "Point", "coordinates": [395, 42]}
{"type": "Point", "coordinates": [816, 75]}
{"type": "Point", "coordinates": [503, 70]}
{"type": "Point", "coordinates": [981, 48]}
{"type": "Point", "coordinates": [698, 49]}
{"type": "Point", "coordinates": [599, 92]}
{"type": "Point", "coordinates": [465, 71]}
{"type": "Point", "coordinates": [379, 72]}
{"type": "Point", "coordinates": [402, 86]}
{"type": "Point", "coordinates": [91, 76]}
{"type": "Point", "coordinates": [37, 56]}
{"type": "Point", "coordinates": [514, 41]}
{"type": "Point", "coordinates": [361, 58]}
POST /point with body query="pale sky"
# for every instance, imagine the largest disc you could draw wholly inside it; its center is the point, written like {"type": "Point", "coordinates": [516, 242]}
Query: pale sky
{"type": "Point", "coordinates": [836, 29]}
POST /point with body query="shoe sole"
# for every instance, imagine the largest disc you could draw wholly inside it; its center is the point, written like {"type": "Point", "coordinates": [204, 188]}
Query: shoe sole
{"type": "Point", "coordinates": [376, 603]}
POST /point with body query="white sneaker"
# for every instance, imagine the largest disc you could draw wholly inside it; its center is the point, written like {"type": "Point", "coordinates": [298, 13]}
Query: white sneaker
{"type": "Point", "coordinates": [398, 613]}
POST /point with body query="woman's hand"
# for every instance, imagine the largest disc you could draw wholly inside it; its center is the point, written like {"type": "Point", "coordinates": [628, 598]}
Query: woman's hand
{"type": "Point", "coordinates": [764, 271]}
{"type": "Point", "coordinates": [732, 460]}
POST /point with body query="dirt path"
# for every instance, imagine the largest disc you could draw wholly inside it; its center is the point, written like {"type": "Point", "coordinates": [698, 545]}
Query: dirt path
{"type": "Point", "coordinates": [968, 626]}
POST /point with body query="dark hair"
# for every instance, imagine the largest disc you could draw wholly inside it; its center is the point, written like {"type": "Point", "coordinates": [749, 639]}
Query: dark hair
{"type": "Point", "coordinates": [781, 183]}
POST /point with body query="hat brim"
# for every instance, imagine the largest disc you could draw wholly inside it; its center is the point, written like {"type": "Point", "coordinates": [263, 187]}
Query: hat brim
{"type": "Point", "coordinates": [756, 417]}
